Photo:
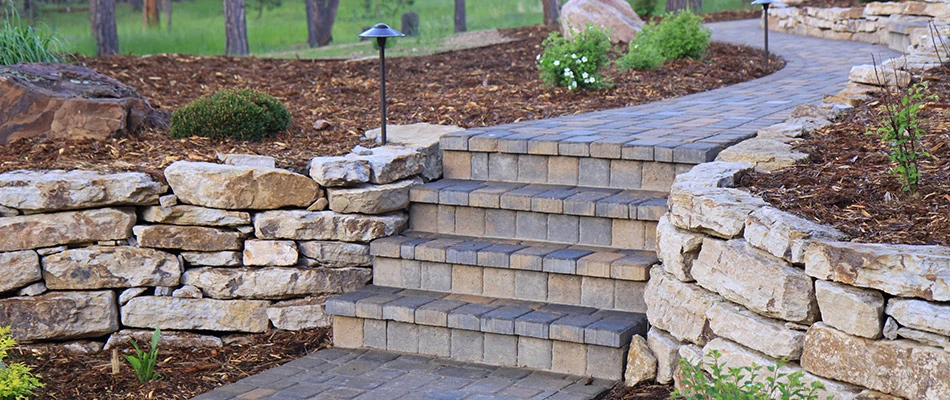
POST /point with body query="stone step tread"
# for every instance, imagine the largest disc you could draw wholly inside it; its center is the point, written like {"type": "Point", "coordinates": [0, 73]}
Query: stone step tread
{"type": "Point", "coordinates": [642, 142]}
{"type": "Point", "coordinates": [598, 262]}
{"type": "Point", "coordinates": [645, 205]}
{"type": "Point", "coordinates": [583, 325]}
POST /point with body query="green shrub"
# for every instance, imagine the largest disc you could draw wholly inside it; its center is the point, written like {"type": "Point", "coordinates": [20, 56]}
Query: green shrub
{"type": "Point", "coordinates": [575, 63]}
{"type": "Point", "coordinates": [743, 383]}
{"type": "Point", "coordinates": [236, 113]}
{"type": "Point", "coordinates": [20, 42]}
{"type": "Point", "coordinates": [643, 8]}
{"type": "Point", "coordinates": [679, 35]}
{"type": "Point", "coordinates": [900, 130]}
{"type": "Point", "coordinates": [17, 382]}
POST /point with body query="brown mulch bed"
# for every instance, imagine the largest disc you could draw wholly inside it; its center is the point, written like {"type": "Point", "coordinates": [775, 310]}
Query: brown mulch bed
{"type": "Point", "coordinates": [845, 182]}
{"type": "Point", "coordinates": [643, 391]}
{"type": "Point", "coordinates": [478, 87]}
{"type": "Point", "coordinates": [185, 373]}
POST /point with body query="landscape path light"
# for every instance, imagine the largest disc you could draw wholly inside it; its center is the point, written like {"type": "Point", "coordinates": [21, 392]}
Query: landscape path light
{"type": "Point", "coordinates": [381, 32]}
{"type": "Point", "coordinates": [765, 17]}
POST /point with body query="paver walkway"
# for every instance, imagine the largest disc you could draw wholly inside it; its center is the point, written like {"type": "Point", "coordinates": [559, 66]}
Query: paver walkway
{"type": "Point", "coordinates": [689, 130]}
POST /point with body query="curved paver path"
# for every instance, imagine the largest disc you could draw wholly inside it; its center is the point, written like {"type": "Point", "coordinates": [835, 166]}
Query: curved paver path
{"type": "Point", "coordinates": [687, 130]}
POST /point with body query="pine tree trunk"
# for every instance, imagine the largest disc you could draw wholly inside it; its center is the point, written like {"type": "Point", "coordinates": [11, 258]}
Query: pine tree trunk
{"type": "Point", "coordinates": [460, 16]}
{"type": "Point", "coordinates": [106, 36]}
{"type": "Point", "coordinates": [93, 26]}
{"type": "Point", "coordinates": [695, 6]}
{"type": "Point", "coordinates": [321, 14]}
{"type": "Point", "coordinates": [235, 28]}
{"type": "Point", "coordinates": [150, 16]}
{"type": "Point", "coordinates": [551, 12]}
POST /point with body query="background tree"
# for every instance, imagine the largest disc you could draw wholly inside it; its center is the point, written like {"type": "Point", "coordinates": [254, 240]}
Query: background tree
{"type": "Point", "coordinates": [167, 7]}
{"type": "Point", "coordinates": [320, 17]}
{"type": "Point", "coordinates": [460, 16]}
{"type": "Point", "coordinates": [235, 28]}
{"type": "Point", "coordinates": [551, 11]}
{"type": "Point", "coordinates": [677, 5]}
{"type": "Point", "coordinates": [107, 40]}
{"type": "Point", "coordinates": [260, 5]}
{"type": "Point", "coordinates": [150, 16]}
{"type": "Point", "coordinates": [93, 26]}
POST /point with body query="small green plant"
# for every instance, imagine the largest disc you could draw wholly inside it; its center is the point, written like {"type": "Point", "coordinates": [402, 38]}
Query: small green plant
{"type": "Point", "coordinates": [575, 63]}
{"type": "Point", "coordinates": [17, 382]}
{"type": "Point", "coordinates": [20, 42]}
{"type": "Point", "coordinates": [236, 113]}
{"type": "Point", "coordinates": [679, 35]}
{"type": "Point", "coordinates": [900, 130]}
{"type": "Point", "coordinates": [644, 8]}
{"type": "Point", "coordinates": [143, 363]}
{"type": "Point", "coordinates": [743, 383]}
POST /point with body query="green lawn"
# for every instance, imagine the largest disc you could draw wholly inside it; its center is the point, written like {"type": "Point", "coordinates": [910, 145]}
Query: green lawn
{"type": "Point", "coordinates": [198, 26]}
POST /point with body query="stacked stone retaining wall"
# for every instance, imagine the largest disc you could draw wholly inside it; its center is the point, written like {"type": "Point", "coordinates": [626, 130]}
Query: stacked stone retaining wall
{"type": "Point", "coordinates": [239, 246]}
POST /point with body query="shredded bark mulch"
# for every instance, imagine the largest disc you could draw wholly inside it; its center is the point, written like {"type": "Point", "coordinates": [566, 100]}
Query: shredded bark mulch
{"type": "Point", "coordinates": [845, 181]}
{"type": "Point", "coordinates": [477, 87]}
{"type": "Point", "coordinates": [185, 373]}
{"type": "Point", "coordinates": [643, 391]}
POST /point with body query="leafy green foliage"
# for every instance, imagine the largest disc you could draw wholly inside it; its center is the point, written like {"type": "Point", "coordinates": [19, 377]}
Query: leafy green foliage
{"type": "Point", "coordinates": [20, 42]}
{"type": "Point", "coordinates": [236, 113]}
{"type": "Point", "coordinates": [743, 383]}
{"type": "Point", "coordinates": [575, 63]}
{"type": "Point", "coordinates": [644, 8]}
{"type": "Point", "coordinates": [381, 8]}
{"type": "Point", "coordinates": [143, 363]}
{"type": "Point", "coordinates": [900, 130]}
{"type": "Point", "coordinates": [17, 382]}
{"type": "Point", "coordinates": [677, 36]}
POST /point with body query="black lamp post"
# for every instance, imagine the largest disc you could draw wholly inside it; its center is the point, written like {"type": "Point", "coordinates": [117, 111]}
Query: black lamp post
{"type": "Point", "coordinates": [765, 17]}
{"type": "Point", "coordinates": [381, 32]}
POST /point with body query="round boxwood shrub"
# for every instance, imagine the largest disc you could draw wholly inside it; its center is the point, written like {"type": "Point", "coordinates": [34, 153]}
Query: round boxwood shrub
{"type": "Point", "coordinates": [232, 113]}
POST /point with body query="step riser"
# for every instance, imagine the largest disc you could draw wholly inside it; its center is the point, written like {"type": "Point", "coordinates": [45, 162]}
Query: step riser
{"type": "Point", "coordinates": [603, 293]}
{"type": "Point", "coordinates": [562, 170]}
{"type": "Point", "coordinates": [533, 226]}
{"type": "Point", "coordinates": [481, 347]}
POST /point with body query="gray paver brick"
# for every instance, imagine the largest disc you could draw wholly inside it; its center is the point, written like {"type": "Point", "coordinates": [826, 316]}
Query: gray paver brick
{"type": "Point", "coordinates": [563, 228]}
{"type": "Point", "coordinates": [480, 166]}
{"type": "Point", "coordinates": [402, 337]}
{"type": "Point", "coordinates": [534, 353]}
{"type": "Point", "coordinates": [372, 307]}
{"type": "Point", "coordinates": [502, 320]}
{"type": "Point", "coordinates": [531, 285]}
{"type": "Point", "coordinates": [594, 231]}
{"type": "Point", "coordinates": [536, 324]}
{"type": "Point", "coordinates": [563, 261]}
{"type": "Point", "coordinates": [468, 317]}
{"type": "Point", "coordinates": [571, 328]}
{"type": "Point", "coordinates": [597, 292]}
{"type": "Point", "coordinates": [436, 276]}
{"type": "Point", "coordinates": [613, 332]}
{"type": "Point", "coordinates": [503, 167]}
{"type": "Point", "coordinates": [374, 334]}
{"type": "Point", "coordinates": [532, 168]}
{"type": "Point", "coordinates": [497, 255]}
{"type": "Point", "coordinates": [404, 308]}
{"type": "Point", "coordinates": [436, 313]}
{"type": "Point", "coordinates": [465, 252]}
{"type": "Point", "coordinates": [501, 350]}
{"type": "Point", "coordinates": [498, 283]}
{"type": "Point", "coordinates": [467, 345]}
{"type": "Point", "coordinates": [434, 341]}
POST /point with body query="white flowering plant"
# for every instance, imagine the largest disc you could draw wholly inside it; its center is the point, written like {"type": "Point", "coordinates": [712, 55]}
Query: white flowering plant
{"type": "Point", "coordinates": [575, 63]}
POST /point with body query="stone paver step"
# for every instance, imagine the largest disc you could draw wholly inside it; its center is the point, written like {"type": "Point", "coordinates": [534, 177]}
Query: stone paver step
{"type": "Point", "coordinates": [550, 337]}
{"type": "Point", "coordinates": [647, 205]}
{"type": "Point", "coordinates": [380, 375]}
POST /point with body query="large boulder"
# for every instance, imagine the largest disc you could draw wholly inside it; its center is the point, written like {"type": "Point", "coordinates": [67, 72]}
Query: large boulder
{"type": "Point", "coordinates": [69, 190]}
{"type": "Point", "coordinates": [238, 188]}
{"type": "Point", "coordinates": [68, 101]}
{"type": "Point", "coordinates": [616, 16]}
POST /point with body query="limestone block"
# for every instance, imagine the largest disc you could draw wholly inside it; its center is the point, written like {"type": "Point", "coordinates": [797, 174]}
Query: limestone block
{"type": "Point", "coordinates": [169, 340]}
{"type": "Point", "coordinates": [59, 190]}
{"type": "Point", "coordinates": [784, 235]}
{"type": "Point", "coordinates": [274, 253]}
{"type": "Point", "coordinates": [326, 225]}
{"type": "Point", "coordinates": [275, 283]}
{"type": "Point", "coordinates": [883, 8]}
{"type": "Point", "coordinates": [26, 232]}
{"type": "Point", "coordinates": [896, 367]}
{"type": "Point", "coordinates": [247, 160]}
{"type": "Point", "coordinates": [214, 258]}
{"type": "Point", "coordinates": [294, 315]}
{"type": "Point", "coordinates": [337, 254]}
{"type": "Point", "coordinates": [692, 354]}
{"type": "Point", "coordinates": [757, 280]}
{"type": "Point", "coordinates": [781, 131]}
{"type": "Point", "coordinates": [371, 199]}
{"type": "Point", "coordinates": [927, 338]}
{"type": "Point", "coordinates": [678, 308]}
{"type": "Point", "coordinates": [35, 289]}
{"type": "Point", "coordinates": [853, 94]}
{"type": "Point", "coordinates": [391, 163]}
{"type": "Point", "coordinates": [177, 313]}
{"type": "Point", "coordinates": [641, 364]}
{"type": "Point", "coordinates": [754, 331]}
{"type": "Point", "coordinates": [194, 238]}
{"type": "Point", "coordinates": [858, 312]}
{"type": "Point", "coordinates": [19, 269]}
{"type": "Point", "coordinates": [712, 174]}
{"type": "Point", "coordinates": [764, 154]}
{"type": "Point", "coordinates": [339, 171]}
{"type": "Point", "coordinates": [99, 267]}
{"type": "Point", "coordinates": [238, 188]}
{"type": "Point", "coordinates": [194, 215]}
{"type": "Point", "coordinates": [188, 292]}
{"type": "Point", "coordinates": [735, 355]}
{"type": "Point", "coordinates": [719, 212]}
{"type": "Point", "coordinates": [677, 248]}
{"type": "Point", "coordinates": [901, 270]}
{"type": "Point", "coordinates": [922, 315]}
{"type": "Point", "coordinates": [867, 74]}
{"type": "Point", "coordinates": [60, 315]}
{"type": "Point", "coordinates": [130, 293]}
{"type": "Point", "coordinates": [666, 350]}
{"type": "Point", "coordinates": [423, 137]}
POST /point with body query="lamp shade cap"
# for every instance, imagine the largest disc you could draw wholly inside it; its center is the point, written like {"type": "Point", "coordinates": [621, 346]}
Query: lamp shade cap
{"type": "Point", "coordinates": [764, 2]}
{"type": "Point", "coordinates": [382, 31]}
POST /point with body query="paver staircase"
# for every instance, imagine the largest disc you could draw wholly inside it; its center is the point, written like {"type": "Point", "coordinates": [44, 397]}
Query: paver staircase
{"type": "Point", "coordinates": [533, 251]}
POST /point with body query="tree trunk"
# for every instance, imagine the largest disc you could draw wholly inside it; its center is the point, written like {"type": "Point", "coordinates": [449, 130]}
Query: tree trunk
{"type": "Point", "coordinates": [150, 16]}
{"type": "Point", "coordinates": [551, 12]}
{"type": "Point", "coordinates": [235, 28]}
{"type": "Point", "coordinates": [93, 26]}
{"type": "Point", "coordinates": [28, 10]}
{"type": "Point", "coordinates": [460, 16]}
{"type": "Point", "coordinates": [167, 6]}
{"type": "Point", "coordinates": [321, 14]}
{"type": "Point", "coordinates": [106, 37]}
{"type": "Point", "coordinates": [136, 5]}
{"type": "Point", "coordinates": [695, 6]}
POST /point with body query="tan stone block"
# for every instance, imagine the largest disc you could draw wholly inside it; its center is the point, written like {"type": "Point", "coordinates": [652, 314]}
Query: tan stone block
{"type": "Point", "coordinates": [457, 164]}
{"type": "Point", "coordinates": [347, 332]}
{"type": "Point", "coordinates": [467, 279]}
{"type": "Point", "coordinates": [628, 234]}
{"type": "Point", "coordinates": [569, 358]}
